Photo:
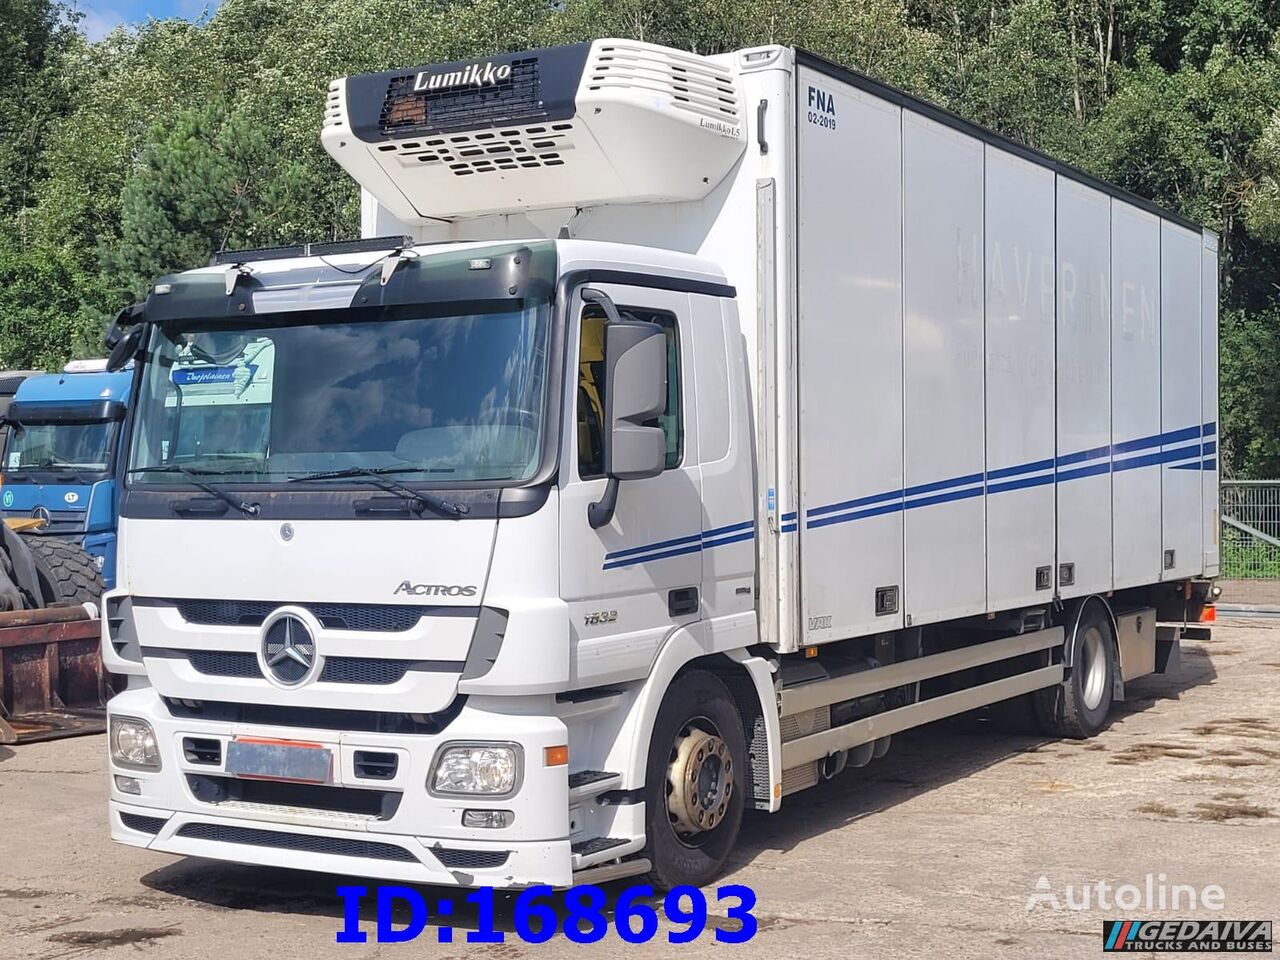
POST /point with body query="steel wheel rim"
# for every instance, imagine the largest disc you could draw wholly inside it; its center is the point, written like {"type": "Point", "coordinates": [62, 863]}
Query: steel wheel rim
{"type": "Point", "coordinates": [1093, 668]}
{"type": "Point", "coordinates": [700, 783]}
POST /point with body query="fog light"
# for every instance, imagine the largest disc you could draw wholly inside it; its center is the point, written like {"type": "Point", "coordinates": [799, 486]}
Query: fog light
{"type": "Point", "coordinates": [133, 743]}
{"type": "Point", "coordinates": [492, 769]}
{"type": "Point", "coordinates": [491, 819]}
{"type": "Point", "coordinates": [129, 785]}
{"type": "Point", "coordinates": [99, 562]}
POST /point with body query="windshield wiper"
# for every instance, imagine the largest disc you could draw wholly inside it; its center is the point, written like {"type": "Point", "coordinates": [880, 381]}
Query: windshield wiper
{"type": "Point", "coordinates": [57, 465]}
{"type": "Point", "coordinates": [195, 478]}
{"type": "Point", "coordinates": [377, 477]}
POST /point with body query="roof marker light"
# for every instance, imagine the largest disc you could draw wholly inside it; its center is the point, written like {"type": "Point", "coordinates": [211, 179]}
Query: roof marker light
{"type": "Point", "coordinates": [85, 366]}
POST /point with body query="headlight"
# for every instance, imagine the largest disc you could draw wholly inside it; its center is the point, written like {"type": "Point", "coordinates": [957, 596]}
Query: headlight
{"type": "Point", "coordinates": [487, 769]}
{"type": "Point", "coordinates": [133, 743]}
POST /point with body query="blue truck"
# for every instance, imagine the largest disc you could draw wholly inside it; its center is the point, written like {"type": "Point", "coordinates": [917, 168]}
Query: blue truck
{"type": "Point", "coordinates": [60, 458]}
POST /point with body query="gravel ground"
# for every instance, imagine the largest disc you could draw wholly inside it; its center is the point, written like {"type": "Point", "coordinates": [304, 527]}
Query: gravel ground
{"type": "Point", "coordinates": [934, 850]}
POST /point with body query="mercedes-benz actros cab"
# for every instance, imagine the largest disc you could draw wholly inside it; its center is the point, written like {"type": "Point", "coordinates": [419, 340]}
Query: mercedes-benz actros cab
{"type": "Point", "coordinates": [684, 428]}
{"type": "Point", "coordinates": [60, 458]}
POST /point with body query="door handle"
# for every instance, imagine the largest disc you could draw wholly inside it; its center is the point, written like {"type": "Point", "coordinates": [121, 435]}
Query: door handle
{"type": "Point", "coordinates": [682, 602]}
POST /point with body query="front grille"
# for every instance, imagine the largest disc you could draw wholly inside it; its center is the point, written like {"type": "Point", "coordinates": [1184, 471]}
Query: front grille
{"type": "Point", "coordinates": [359, 670]}
{"type": "Point", "coordinates": [456, 859]}
{"type": "Point", "coordinates": [61, 522]}
{"type": "Point", "coordinates": [518, 97]}
{"type": "Point", "coordinates": [277, 794]}
{"type": "Point", "coordinates": [333, 616]}
{"type": "Point", "coordinates": [339, 846]}
{"type": "Point", "coordinates": [142, 824]}
{"type": "Point", "coordinates": [221, 663]}
{"type": "Point", "coordinates": [317, 718]}
{"type": "Point", "coordinates": [226, 663]}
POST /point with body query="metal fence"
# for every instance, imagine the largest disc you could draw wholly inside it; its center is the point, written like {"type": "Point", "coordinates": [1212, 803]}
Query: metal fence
{"type": "Point", "coordinates": [1250, 546]}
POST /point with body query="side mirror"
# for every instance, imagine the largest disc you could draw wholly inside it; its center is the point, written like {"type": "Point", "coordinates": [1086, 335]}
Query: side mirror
{"type": "Point", "coordinates": [125, 319]}
{"type": "Point", "coordinates": [125, 349]}
{"type": "Point", "coordinates": [113, 335]}
{"type": "Point", "coordinates": [635, 354]}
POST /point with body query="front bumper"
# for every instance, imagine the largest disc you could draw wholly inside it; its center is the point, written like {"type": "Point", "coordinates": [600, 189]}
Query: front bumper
{"type": "Point", "coordinates": [422, 840]}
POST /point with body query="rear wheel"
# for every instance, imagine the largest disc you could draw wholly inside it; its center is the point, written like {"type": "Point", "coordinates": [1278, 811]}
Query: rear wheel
{"type": "Point", "coordinates": [1078, 707]}
{"type": "Point", "coordinates": [67, 574]}
{"type": "Point", "coordinates": [696, 783]}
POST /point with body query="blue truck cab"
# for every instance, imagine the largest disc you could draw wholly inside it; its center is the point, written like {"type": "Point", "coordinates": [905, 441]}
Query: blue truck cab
{"type": "Point", "coordinates": [60, 456]}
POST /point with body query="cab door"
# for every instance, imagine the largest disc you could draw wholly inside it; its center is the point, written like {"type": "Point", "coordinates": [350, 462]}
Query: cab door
{"type": "Point", "coordinates": [633, 581]}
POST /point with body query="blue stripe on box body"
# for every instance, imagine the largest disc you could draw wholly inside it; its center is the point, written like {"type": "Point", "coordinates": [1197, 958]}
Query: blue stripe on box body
{"type": "Point", "coordinates": [1126, 455]}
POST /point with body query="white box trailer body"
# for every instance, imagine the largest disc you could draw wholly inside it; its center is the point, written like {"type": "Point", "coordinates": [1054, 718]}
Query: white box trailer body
{"type": "Point", "coordinates": [939, 430]}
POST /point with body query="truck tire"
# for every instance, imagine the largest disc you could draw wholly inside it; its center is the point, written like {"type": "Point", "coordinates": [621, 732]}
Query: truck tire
{"type": "Point", "coordinates": [1077, 708]}
{"type": "Point", "coordinates": [67, 574]}
{"type": "Point", "coordinates": [694, 785]}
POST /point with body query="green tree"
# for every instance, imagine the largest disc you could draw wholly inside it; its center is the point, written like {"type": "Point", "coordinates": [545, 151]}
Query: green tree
{"type": "Point", "coordinates": [52, 306]}
{"type": "Point", "coordinates": [1178, 100]}
{"type": "Point", "coordinates": [35, 35]}
{"type": "Point", "coordinates": [207, 182]}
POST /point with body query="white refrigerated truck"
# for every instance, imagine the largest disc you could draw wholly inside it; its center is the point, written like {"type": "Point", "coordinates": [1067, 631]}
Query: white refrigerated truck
{"type": "Point", "coordinates": [704, 422]}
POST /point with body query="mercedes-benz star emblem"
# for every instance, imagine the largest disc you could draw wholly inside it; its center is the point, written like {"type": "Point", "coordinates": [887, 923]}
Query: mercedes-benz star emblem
{"type": "Point", "coordinates": [41, 514]}
{"type": "Point", "coordinates": [288, 649]}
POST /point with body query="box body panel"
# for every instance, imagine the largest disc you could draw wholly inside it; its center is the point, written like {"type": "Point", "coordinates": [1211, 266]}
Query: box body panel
{"type": "Point", "coordinates": [849, 281]}
{"type": "Point", "coordinates": [942, 269]}
{"type": "Point", "coordinates": [1180, 381]}
{"type": "Point", "coordinates": [1135, 393]}
{"type": "Point", "coordinates": [1021, 540]}
{"type": "Point", "coordinates": [1083, 479]}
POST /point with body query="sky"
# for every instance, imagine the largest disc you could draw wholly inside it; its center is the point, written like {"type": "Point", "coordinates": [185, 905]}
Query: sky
{"type": "Point", "coordinates": [103, 16]}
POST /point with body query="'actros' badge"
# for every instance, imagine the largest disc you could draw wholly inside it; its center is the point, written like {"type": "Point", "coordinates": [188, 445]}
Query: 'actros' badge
{"type": "Point", "coordinates": [434, 589]}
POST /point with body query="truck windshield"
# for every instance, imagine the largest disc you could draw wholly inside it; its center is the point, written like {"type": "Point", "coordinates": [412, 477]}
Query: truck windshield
{"type": "Point", "coordinates": [38, 448]}
{"type": "Point", "coordinates": [449, 398]}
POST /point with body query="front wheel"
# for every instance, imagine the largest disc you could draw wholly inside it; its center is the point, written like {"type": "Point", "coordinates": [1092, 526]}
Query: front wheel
{"type": "Point", "coordinates": [1078, 707]}
{"type": "Point", "coordinates": [696, 782]}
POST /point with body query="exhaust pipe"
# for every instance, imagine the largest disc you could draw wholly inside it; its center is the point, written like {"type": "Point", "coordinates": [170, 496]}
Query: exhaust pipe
{"type": "Point", "coordinates": [831, 766]}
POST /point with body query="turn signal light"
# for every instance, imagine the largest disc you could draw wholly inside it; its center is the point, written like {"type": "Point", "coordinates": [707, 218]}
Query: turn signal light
{"type": "Point", "coordinates": [1209, 614]}
{"type": "Point", "coordinates": [556, 756]}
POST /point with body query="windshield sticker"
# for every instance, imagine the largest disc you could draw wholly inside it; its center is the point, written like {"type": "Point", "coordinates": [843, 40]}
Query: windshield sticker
{"type": "Point", "coordinates": [194, 375]}
{"type": "Point", "coordinates": [15, 461]}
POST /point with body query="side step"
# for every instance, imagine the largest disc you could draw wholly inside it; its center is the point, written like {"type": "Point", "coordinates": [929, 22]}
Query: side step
{"type": "Point", "coordinates": [587, 853]}
{"type": "Point", "coordinates": [585, 784]}
{"type": "Point", "coordinates": [612, 871]}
